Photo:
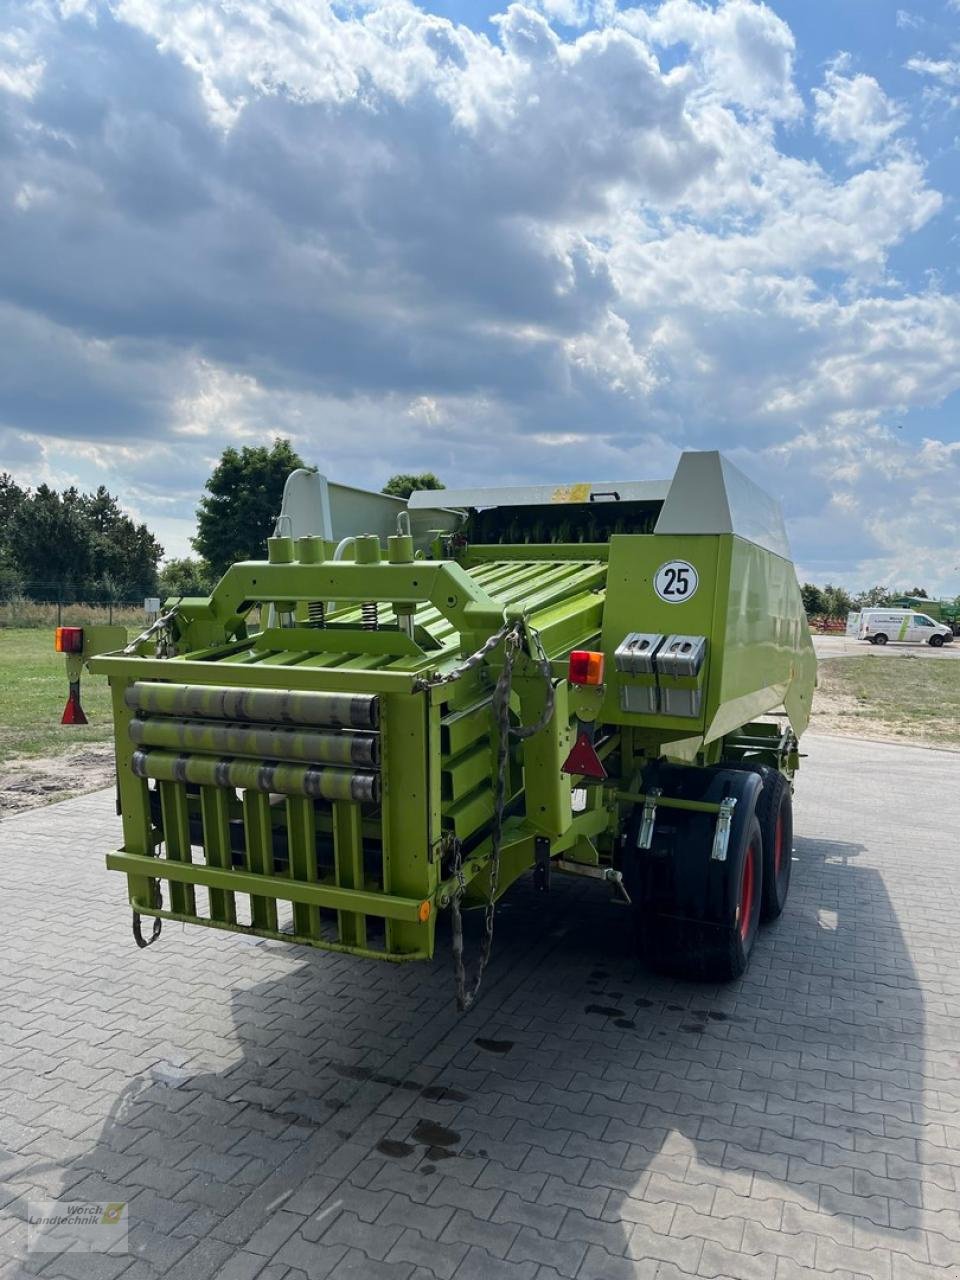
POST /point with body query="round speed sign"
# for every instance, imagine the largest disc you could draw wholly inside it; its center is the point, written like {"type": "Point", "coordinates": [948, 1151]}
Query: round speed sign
{"type": "Point", "coordinates": [676, 581]}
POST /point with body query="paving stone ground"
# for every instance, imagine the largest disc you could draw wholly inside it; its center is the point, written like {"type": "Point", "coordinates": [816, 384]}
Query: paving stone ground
{"type": "Point", "coordinates": [278, 1114]}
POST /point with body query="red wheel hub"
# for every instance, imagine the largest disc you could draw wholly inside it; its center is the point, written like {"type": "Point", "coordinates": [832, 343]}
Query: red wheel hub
{"type": "Point", "coordinates": [747, 883]}
{"type": "Point", "coordinates": [778, 845]}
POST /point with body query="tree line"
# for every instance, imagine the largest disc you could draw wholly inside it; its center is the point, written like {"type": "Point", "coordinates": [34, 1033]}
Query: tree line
{"type": "Point", "coordinates": [82, 546]}
{"type": "Point", "coordinates": [72, 546]}
{"type": "Point", "coordinates": [835, 602]}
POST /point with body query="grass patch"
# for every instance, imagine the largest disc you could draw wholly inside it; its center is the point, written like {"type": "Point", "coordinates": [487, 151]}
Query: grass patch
{"type": "Point", "coordinates": [33, 690]}
{"type": "Point", "coordinates": [913, 698]}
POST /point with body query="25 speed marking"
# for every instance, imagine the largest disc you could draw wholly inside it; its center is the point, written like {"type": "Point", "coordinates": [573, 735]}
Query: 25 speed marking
{"type": "Point", "coordinates": [676, 581]}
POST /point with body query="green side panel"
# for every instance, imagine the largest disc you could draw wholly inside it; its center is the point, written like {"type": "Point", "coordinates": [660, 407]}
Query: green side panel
{"type": "Point", "coordinates": [768, 656]}
{"type": "Point", "coordinates": [633, 605]}
{"type": "Point", "coordinates": [759, 655]}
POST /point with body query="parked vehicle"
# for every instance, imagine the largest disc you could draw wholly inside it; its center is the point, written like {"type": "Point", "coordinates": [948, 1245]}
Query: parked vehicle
{"type": "Point", "coordinates": [600, 680]}
{"type": "Point", "coordinates": [882, 626]}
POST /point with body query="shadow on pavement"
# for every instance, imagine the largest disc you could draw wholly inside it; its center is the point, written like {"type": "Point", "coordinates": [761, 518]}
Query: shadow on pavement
{"type": "Point", "coordinates": [586, 1112]}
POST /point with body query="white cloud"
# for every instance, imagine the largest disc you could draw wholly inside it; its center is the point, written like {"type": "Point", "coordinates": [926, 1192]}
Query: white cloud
{"type": "Point", "coordinates": [854, 112]}
{"type": "Point", "coordinates": [410, 245]}
{"type": "Point", "coordinates": [946, 70]}
{"type": "Point", "coordinates": [20, 70]}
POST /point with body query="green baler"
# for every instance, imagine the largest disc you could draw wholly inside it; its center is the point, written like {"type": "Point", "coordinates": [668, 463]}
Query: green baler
{"type": "Point", "coordinates": [605, 681]}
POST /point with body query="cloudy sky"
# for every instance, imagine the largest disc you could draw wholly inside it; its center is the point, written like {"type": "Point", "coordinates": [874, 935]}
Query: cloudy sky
{"type": "Point", "coordinates": [557, 240]}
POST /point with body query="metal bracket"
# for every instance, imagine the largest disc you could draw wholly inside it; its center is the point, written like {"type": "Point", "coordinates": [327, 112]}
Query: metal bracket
{"type": "Point", "coordinates": [610, 875]}
{"type": "Point", "coordinates": [721, 836]}
{"type": "Point", "coordinates": [648, 818]}
{"type": "Point", "coordinates": [541, 869]}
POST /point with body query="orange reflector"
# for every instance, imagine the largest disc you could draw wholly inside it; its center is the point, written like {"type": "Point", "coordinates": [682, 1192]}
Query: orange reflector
{"type": "Point", "coordinates": [586, 667]}
{"type": "Point", "coordinates": [583, 760]}
{"type": "Point", "coordinates": [68, 640]}
{"type": "Point", "coordinates": [424, 912]}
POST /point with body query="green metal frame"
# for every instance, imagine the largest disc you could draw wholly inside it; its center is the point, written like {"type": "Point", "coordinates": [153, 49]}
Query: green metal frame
{"type": "Point", "coordinates": [368, 877]}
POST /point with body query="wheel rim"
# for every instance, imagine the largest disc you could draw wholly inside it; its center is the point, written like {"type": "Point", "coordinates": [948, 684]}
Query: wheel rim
{"type": "Point", "coordinates": [746, 891]}
{"type": "Point", "coordinates": [778, 846]}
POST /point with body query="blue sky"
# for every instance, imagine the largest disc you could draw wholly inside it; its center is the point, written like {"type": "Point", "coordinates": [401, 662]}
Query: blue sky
{"type": "Point", "coordinates": [555, 240]}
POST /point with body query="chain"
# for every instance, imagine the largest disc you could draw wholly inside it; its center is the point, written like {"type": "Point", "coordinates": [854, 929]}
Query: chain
{"type": "Point", "coordinates": [467, 664]}
{"type": "Point", "coordinates": [512, 635]}
{"type": "Point", "coordinates": [159, 624]}
{"type": "Point", "coordinates": [157, 922]}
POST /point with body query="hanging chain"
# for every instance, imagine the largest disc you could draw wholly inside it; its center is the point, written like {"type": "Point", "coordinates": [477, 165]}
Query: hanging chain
{"type": "Point", "coordinates": [157, 921]}
{"type": "Point", "coordinates": [165, 643]}
{"type": "Point", "coordinates": [512, 635]}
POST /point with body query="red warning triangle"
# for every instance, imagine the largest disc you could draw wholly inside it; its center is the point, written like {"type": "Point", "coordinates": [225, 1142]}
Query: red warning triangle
{"type": "Point", "coordinates": [73, 712]}
{"type": "Point", "coordinates": [583, 760]}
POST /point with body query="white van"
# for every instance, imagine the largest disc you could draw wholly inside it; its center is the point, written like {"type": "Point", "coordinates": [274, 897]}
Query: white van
{"type": "Point", "coordinates": [880, 625]}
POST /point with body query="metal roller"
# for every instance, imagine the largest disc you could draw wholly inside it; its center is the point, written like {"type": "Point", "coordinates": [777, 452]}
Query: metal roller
{"type": "Point", "coordinates": [331, 710]}
{"type": "Point", "coordinates": [252, 775]}
{"type": "Point", "coordinates": [227, 738]}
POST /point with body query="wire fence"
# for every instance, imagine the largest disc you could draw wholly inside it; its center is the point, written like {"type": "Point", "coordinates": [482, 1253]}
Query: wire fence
{"type": "Point", "coordinates": [42, 604]}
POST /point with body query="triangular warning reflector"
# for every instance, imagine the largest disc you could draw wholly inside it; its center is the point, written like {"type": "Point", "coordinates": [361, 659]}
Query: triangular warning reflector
{"type": "Point", "coordinates": [583, 760]}
{"type": "Point", "coordinates": [73, 712]}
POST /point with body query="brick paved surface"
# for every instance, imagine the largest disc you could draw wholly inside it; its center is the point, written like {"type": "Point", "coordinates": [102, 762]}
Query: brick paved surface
{"type": "Point", "coordinates": [278, 1114]}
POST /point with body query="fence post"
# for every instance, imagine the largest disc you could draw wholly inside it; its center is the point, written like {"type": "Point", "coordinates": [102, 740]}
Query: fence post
{"type": "Point", "coordinates": [110, 618]}
{"type": "Point", "coordinates": [59, 611]}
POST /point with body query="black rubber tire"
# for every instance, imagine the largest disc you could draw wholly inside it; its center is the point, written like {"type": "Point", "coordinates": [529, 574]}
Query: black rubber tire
{"type": "Point", "coordinates": [775, 815]}
{"type": "Point", "coordinates": [686, 905]}
{"type": "Point", "coordinates": [702, 951]}
{"type": "Point", "coordinates": [936, 642]}
{"type": "Point", "coordinates": [774, 808]}
{"type": "Point", "coordinates": [878, 639]}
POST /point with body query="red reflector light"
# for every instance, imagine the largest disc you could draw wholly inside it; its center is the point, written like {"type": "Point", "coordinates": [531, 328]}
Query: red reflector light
{"type": "Point", "coordinates": [68, 640]}
{"type": "Point", "coordinates": [586, 667]}
{"type": "Point", "coordinates": [73, 712]}
{"type": "Point", "coordinates": [583, 760]}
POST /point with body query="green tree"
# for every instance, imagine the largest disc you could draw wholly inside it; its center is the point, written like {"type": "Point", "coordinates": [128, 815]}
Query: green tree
{"type": "Point", "coordinates": [49, 542]}
{"type": "Point", "coordinates": [238, 512]}
{"type": "Point", "coordinates": [917, 593]}
{"type": "Point", "coordinates": [812, 597]}
{"type": "Point", "coordinates": [403, 484]}
{"type": "Point", "coordinates": [188, 576]}
{"type": "Point", "coordinates": [873, 598]}
{"type": "Point", "coordinates": [11, 499]}
{"type": "Point", "coordinates": [836, 601]}
{"type": "Point", "coordinates": [123, 554]}
{"type": "Point", "coordinates": [75, 545]}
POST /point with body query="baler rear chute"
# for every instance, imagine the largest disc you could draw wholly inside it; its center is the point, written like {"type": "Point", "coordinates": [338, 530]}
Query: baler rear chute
{"type": "Point", "coordinates": [356, 764]}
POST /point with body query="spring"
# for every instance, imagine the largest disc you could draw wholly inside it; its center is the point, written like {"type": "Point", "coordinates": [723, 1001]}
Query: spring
{"type": "Point", "coordinates": [316, 612]}
{"type": "Point", "coordinates": [368, 610]}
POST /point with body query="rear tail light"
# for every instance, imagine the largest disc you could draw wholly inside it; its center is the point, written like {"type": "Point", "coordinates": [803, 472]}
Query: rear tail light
{"type": "Point", "coordinates": [586, 667]}
{"type": "Point", "coordinates": [68, 640]}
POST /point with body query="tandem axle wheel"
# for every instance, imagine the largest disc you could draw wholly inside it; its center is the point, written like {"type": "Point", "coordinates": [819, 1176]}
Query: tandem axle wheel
{"type": "Point", "coordinates": [697, 914]}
